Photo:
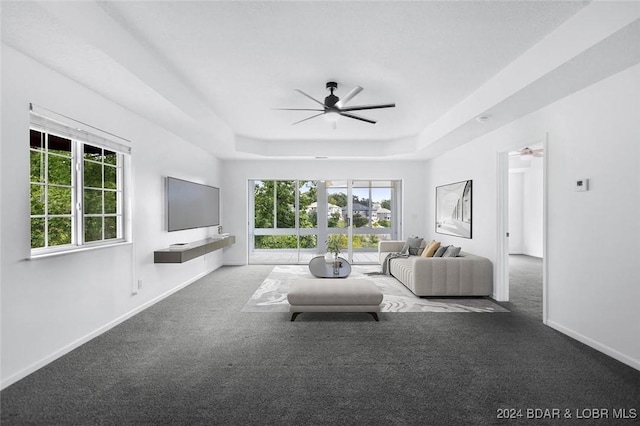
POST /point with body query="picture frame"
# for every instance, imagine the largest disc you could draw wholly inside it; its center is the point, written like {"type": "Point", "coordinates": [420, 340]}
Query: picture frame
{"type": "Point", "coordinates": [454, 209]}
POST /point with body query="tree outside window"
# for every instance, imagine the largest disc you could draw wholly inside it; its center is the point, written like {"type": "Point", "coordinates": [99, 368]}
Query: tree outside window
{"type": "Point", "coordinates": [65, 173]}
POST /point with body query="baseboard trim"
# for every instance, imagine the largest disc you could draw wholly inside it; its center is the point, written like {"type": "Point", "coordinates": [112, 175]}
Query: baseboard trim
{"type": "Point", "coordinates": [631, 362]}
{"type": "Point", "coordinates": [81, 341]}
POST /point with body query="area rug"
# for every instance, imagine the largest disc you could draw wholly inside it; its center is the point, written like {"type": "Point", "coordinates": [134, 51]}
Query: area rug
{"type": "Point", "coordinates": [271, 296]}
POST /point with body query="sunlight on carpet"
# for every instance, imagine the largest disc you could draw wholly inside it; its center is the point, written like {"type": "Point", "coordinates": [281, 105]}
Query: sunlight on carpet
{"type": "Point", "coordinates": [271, 296]}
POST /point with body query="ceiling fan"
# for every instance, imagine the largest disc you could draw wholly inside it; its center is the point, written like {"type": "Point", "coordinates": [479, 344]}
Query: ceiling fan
{"type": "Point", "coordinates": [528, 152]}
{"type": "Point", "coordinates": [334, 107]}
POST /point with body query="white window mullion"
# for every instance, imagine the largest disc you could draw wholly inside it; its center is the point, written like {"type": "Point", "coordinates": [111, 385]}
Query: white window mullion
{"type": "Point", "coordinates": [322, 215]}
{"type": "Point", "coordinates": [45, 190]}
{"type": "Point", "coordinates": [370, 214]}
{"type": "Point", "coordinates": [275, 204]}
{"type": "Point", "coordinates": [120, 197]}
{"type": "Point", "coordinates": [296, 185]}
{"type": "Point", "coordinates": [102, 194]}
{"type": "Point", "coordinates": [252, 215]}
{"type": "Point", "coordinates": [78, 184]}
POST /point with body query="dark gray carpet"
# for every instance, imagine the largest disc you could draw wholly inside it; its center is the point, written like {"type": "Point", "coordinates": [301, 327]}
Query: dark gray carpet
{"type": "Point", "coordinates": [525, 285]}
{"type": "Point", "coordinates": [195, 358]}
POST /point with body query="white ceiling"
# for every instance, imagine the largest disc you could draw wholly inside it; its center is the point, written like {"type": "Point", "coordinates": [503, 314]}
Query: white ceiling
{"type": "Point", "coordinates": [212, 72]}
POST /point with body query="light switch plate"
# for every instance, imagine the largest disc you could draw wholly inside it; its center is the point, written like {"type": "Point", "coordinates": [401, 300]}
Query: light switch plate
{"type": "Point", "coordinates": [582, 185]}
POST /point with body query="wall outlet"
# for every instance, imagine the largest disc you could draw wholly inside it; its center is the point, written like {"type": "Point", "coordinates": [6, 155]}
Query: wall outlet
{"type": "Point", "coordinates": [139, 284]}
{"type": "Point", "coordinates": [582, 185]}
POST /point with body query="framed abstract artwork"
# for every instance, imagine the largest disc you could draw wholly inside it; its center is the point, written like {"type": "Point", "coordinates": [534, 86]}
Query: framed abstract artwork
{"type": "Point", "coordinates": [453, 209]}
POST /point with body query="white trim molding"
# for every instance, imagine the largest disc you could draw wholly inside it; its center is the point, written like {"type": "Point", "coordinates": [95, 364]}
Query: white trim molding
{"type": "Point", "coordinates": [632, 362]}
{"type": "Point", "coordinates": [501, 289]}
{"type": "Point", "coordinates": [81, 341]}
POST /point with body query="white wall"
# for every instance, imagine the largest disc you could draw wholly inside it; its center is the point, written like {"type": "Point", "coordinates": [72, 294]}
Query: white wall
{"type": "Point", "coordinates": [471, 162]}
{"type": "Point", "coordinates": [51, 305]}
{"type": "Point", "coordinates": [516, 214]}
{"type": "Point", "coordinates": [533, 209]}
{"type": "Point", "coordinates": [526, 209]}
{"type": "Point", "coordinates": [238, 173]}
{"type": "Point", "coordinates": [592, 237]}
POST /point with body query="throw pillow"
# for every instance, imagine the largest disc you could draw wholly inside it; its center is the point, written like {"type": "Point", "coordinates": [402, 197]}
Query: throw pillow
{"type": "Point", "coordinates": [440, 251]}
{"type": "Point", "coordinates": [426, 246]}
{"type": "Point", "coordinates": [414, 245]}
{"type": "Point", "coordinates": [423, 245]}
{"type": "Point", "coordinates": [431, 249]}
{"type": "Point", "coordinates": [452, 251]}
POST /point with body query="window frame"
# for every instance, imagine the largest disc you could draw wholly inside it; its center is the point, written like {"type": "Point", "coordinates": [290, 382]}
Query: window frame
{"type": "Point", "coordinates": [322, 228]}
{"type": "Point", "coordinates": [80, 138]}
{"type": "Point", "coordinates": [119, 191]}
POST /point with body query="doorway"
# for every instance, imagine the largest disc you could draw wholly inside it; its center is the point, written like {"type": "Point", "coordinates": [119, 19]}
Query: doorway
{"type": "Point", "coordinates": [521, 215]}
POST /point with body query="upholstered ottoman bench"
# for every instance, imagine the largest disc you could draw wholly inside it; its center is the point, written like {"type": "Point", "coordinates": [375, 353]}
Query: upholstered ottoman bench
{"type": "Point", "coordinates": [334, 295]}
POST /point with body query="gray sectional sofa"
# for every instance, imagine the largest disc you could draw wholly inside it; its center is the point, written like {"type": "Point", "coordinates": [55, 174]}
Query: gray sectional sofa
{"type": "Point", "coordinates": [464, 275]}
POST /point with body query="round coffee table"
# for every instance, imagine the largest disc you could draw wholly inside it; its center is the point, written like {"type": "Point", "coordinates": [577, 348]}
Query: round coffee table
{"type": "Point", "coordinates": [319, 268]}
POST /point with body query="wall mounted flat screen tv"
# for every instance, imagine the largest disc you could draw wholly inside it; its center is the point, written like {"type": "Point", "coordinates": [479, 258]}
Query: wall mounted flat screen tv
{"type": "Point", "coordinates": [191, 205]}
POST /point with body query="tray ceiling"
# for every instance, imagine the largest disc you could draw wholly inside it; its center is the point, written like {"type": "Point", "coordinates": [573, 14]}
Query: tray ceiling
{"type": "Point", "coordinates": [214, 72]}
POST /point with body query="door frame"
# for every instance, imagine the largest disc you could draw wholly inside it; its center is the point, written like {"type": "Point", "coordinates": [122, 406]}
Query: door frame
{"type": "Point", "coordinates": [501, 292]}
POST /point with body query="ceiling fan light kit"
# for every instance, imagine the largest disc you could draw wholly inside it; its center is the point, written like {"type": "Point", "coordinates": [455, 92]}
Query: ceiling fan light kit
{"type": "Point", "coordinates": [334, 107]}
{"type": "Point", "coordinates": [527, 152]}
{"type": "Point", "coordinates": [331, 116]}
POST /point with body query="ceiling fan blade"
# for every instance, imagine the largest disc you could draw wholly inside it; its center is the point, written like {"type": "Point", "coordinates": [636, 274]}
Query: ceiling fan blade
{"type": "Point", "coordinates": [357, 117]}
{"type": "Point", "coordinates": [310, 97]}
{"type": "Point", "coordinates": [298, 109]}
{"type": "Point", "coordinates": [527, 153]}
{"type": "Point", "coordinates": [362, 107]}
{"type": "Point", "coordinates": [342, 102]}
{"type": "Point", "coordinates": [308, 118]}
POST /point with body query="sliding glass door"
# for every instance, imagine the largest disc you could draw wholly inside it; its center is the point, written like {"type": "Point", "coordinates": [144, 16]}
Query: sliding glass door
{"type": "Point", "coordinates": [292, 219]}
{"type": "Point", "coordinates": [372, 217]}
{"type": "Point", "coordinates": [283, 226]}
{"type": "Point", "coordinates": [363, 212]}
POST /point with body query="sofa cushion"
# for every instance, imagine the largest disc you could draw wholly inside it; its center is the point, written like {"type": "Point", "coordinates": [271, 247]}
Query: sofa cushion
{"type": "Point", "coordinates": [451, 252]}
{"type": "Point", "coordinates": [431, 249]}
{"type": "Point", "coordinates": [440, 251]}
{"type": "Point", "coordinates": [411, 246]}
{"type": "Point", "coordinates": [426, 245]}
{"type": "Point", "coordinates": [423, 245]}
{"type": "Point", "coordinates": [402, 269]}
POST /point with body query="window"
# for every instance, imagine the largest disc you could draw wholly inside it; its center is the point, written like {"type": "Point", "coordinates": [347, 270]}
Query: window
{"type": "Point", "coordinates": [284, 218]}
{"type": "Point", "coordinates": [101, 171]}
{"type": "Point", "coordinates": [77, 183]}
{"type": "Point", "coordinates": [291, 219]}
